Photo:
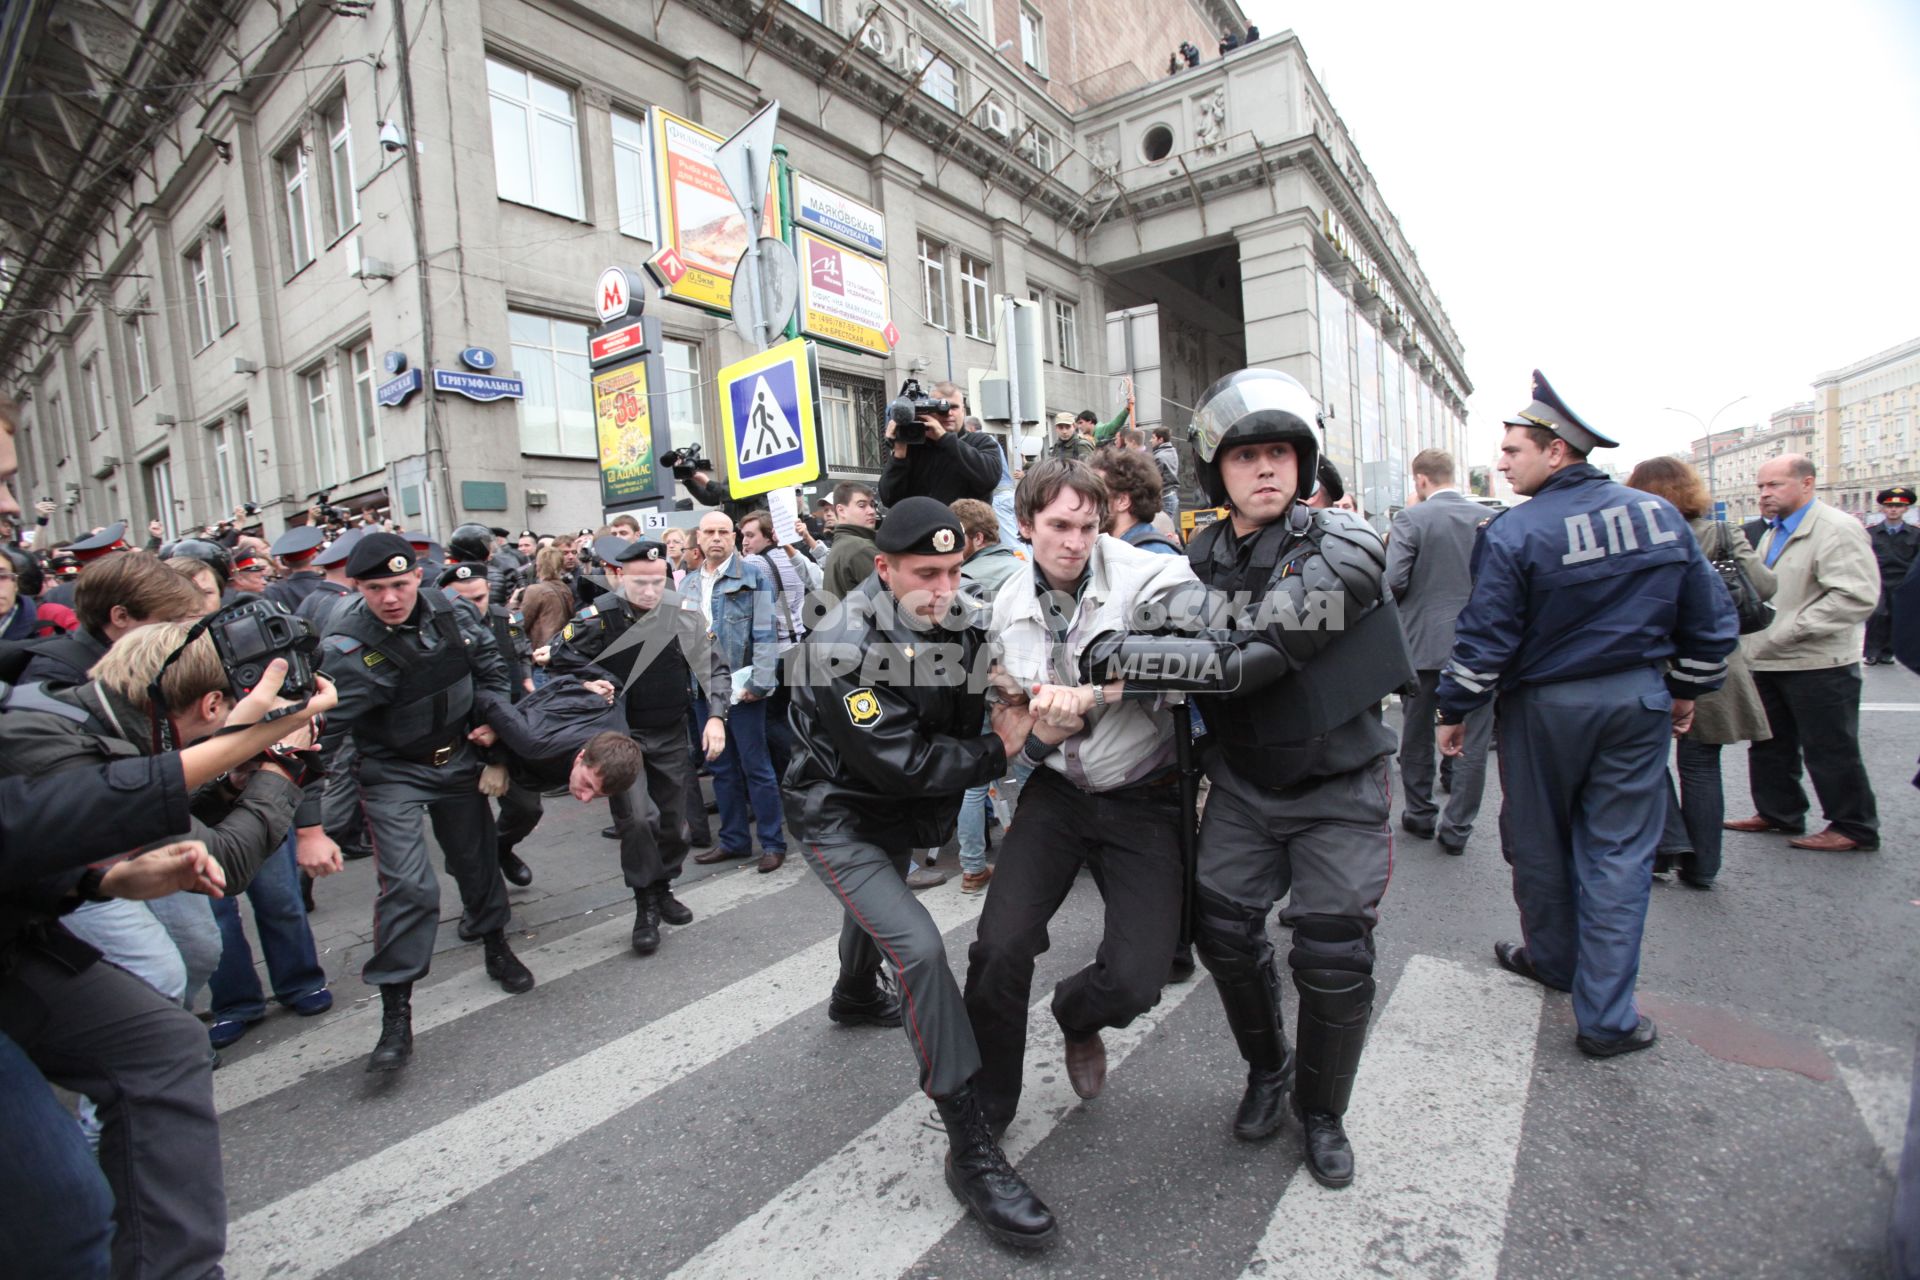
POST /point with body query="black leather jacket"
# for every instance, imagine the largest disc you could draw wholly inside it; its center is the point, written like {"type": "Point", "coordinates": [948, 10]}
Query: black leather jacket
{"type": "Point", "coordinates": [880, 753]}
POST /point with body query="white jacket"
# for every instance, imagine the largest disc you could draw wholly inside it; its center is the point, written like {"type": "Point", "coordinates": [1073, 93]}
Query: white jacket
{"type": "Point", "coordinates": [1828, 585]}
{"type": "Point", "coordinates": [1123, 743]}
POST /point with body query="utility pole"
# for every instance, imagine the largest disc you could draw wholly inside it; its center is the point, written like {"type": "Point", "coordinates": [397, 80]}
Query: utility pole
{"type": "Point", "coordinates": [1707, 427]}
{"type": "Point", "coordinates": [434, 442]}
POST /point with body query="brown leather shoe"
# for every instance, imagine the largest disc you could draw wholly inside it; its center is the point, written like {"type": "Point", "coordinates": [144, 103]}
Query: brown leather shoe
{"type": "Point", "coordinates": [1831, 841]}
{"type": "Point", "coordinates": [1087, 1065]}
{"type": "Point", "coordinates": [1757, 824]}
{"type": "Point", "coordinates": [771, 862]}
{"type": "Point", "coordinates": [717, 854]}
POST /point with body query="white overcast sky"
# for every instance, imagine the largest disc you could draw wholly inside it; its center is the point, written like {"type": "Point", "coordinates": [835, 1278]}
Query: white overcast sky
{"type": "Point", "coordinates": [1654, 204]}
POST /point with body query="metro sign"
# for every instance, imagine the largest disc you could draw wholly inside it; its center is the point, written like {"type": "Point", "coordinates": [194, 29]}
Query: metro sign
{"type": "Point", "coordinates": [618, 295]}
{"type": "Point", "coordinates": [615, 343]}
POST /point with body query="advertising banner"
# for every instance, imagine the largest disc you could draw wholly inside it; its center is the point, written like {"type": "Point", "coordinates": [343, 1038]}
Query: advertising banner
{"type": "Point", "coordinates": [623, 429]}
{"type": "Point", "coordinates": [843, 295]}
{"type": "Point", "coordinates": [702, 234]}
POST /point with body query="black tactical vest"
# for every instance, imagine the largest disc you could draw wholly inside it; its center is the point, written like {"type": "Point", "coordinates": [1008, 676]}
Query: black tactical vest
{"type": "Point", "coordinates": [429, 708]}
{"type": "Point", "coordinates": [659, 693]}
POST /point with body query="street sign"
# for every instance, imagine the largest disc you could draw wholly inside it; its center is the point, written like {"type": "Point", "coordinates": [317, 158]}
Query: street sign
{"type": "Point", "coordinates": [478, 358]}
{"type": "Point", "coordinates": [767, 418]}
{"type": "Point", "coordinates": [701, 232]}
{"type": "Point", "coordinates": [628, 339]}
{"type": "Point", "coordinates": [822, 209]}
{"type": "Point", "coordinates": [742, 161]}
{"type": "Point", "coordinates": [623, 434]}
{"type": "Point", "coordinates": [618, 295]}
{"type": "Point", "coordinates": [478, 386]}
{"type": "Point", "coordinates": [772, 281]}
{"type": "Point", "coordinates": [393, 394]}
{"type": "Point", "coordinates": [843, 296]}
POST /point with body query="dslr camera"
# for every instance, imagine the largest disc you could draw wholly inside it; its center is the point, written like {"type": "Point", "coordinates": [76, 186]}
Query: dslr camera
{"type": "Point", "coordinates": [251, 632]}
{"type": "Point", "coordinates": [684, 462]}
{"type": "Point", "coordinates": [908, 411]}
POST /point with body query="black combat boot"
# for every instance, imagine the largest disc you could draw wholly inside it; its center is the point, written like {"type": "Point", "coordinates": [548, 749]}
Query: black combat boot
{"type": "Point", "coordinates": [503, 966]}
{"type": "Point", "coordinates": [1253, 1015]}
{"type": "Point", "coordinates": [646, 922]}
{"type": "Point", "coordinates": [515, 871]}
{"type": "Point", "coordinates": [672, 910]}
{"type": "Point", "coordinates": [1334, 1007]}
{"type": "Point", "coordinates": [980, 1177]}
{"type": "Point", "coordinates": [396, 1028]}
{"type": "Point", "coordinates": [870, 1003]}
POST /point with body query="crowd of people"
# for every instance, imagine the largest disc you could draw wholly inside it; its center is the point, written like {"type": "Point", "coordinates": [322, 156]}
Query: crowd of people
{"type": "Point", "coordinates": [1199, 721]}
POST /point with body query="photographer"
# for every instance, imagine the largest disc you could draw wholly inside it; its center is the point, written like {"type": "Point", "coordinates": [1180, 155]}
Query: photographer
{"type": "Point", "coordinates": [692, 468]}
{"type": "Point", "coordinates": [932, 456]}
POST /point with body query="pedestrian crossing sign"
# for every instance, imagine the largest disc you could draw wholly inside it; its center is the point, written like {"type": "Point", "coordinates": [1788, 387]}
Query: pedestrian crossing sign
{"type": "Point", "coordinates": [767, 411]}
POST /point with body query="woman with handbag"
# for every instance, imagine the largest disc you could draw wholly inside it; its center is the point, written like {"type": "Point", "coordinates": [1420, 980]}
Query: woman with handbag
{"type": "Point", "coordinates": [1691, 842]}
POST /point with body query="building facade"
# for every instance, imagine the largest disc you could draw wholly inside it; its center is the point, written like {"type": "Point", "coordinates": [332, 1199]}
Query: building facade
{"type": "Point", "coordinates": [1732, 472]}
{"type": "Point", "coordinates": [1866, 418]}
{"type": "Point", "coordinates": [228, 223]}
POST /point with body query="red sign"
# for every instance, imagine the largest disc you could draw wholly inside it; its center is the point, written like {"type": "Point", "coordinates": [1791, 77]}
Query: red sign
{"type": "Point", "coordinates": [668, 265]}
{"type": "Point", "coordinates": [824, 265]}
{"type": "Point", "coordinates": [891, 334]}
{"type": "Point", "coordinates": [615, 342]}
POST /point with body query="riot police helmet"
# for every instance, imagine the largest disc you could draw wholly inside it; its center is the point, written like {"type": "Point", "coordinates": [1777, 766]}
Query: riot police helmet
{"type": "Point", "coordinates": [471, 542]}
{"type": "Point", "coordinates": [1255, 406]}
{"type": "Point", "coordinates": [209, 553]}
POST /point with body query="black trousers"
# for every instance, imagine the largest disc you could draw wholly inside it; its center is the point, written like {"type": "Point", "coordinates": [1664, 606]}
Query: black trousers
{"type": "Point", "coordinates": [1880, 627]}
{"type": "Point", "coordinates": [1815, 718]}
{"type": "Point", "coordinates": [651, 860]}
{"type": "Point", "coordinates": [520, 812]}
{"type": "Point", "coordinates": [1129, 841]}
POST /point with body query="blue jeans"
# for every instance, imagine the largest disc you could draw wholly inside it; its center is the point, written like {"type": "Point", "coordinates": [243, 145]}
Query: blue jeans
{"type": "Point", "coordinates": [285, 938]}
{"type": "Point", "coordinates": [1692, 828]}
{"type": "Point", "coordinates": [973, 815]}
{"type": "Point", "coordinates": [1009, 525]}
{"type": "Point", "coordinates": [56, 1211]}
{"type": "Point", "coordinates": [743, 783]}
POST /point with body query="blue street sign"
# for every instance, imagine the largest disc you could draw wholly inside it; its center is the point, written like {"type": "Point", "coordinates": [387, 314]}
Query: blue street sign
{"type": "Point", "coordinates": [394, 394]}
{"type": "Point", "coordinates": [395, 361]}
{"type": "Point", "coordinates": [478, 358]}
{"type": "Point", "coordinates": [767, 412]}
{"type": "Point", "coordinates": [478, 386]}
{"type": "Point", "coordinates": [1720, 511]}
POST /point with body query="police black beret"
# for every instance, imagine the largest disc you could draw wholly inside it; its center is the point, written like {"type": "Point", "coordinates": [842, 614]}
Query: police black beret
{"type": "Point", "coordinates": [464, 572]}
{"type": "Point", "coordinates": [498, 532]}
{"type": "Point", "coordinates": [1550, 411]}
{"type": "Point", "coordinates": [111, 538]}
{"type": "Point", "coordinates": [920, 526]}
{"type": "Point", "coordinates": [643, 549]}
{"type": "Point", "coordinates": [1898, 493]}
{"type": "Point", "coordinates": [340, 548]}
{"type": "Point", "coordinates": [380, 555]}
{"type": "Point", "coordinates": [298, 541]}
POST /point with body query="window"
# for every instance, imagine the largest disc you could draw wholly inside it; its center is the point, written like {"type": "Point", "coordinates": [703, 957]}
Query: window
{"type": "Point", "coordinates": [809, 7]}
{"type": "Point", "coordinates": [1042, 143]}
{"type": "Point", "coordinates": [535, 156]}
{"type": "Point", "coordinates": [1066, 333]}
{"type": "Point", "coordinates": [201, 310]}
{"type": "Point", "coordinates": [57, 419]}
{"type": "Point", "coordinates": [220, 261]}
{"type": "Point", "coordinates": [343, 209]}
{"type": "Point", "coordinates": [686, 407]}
{"type": "Point", "coordinates": [933, 283]}
{"type": "Point", "coordinates": [223, 466]}
{"type": "Point", "coordinates": [968, 9]}
{"type": "Point", "coordinates": [296, 223]}
{"type": "Point", "coordinates": [976, 297]}
{"type": "Point", "coordinates": [160, 494]}
{"type": "Point", "coordinates": [366, 416]}
{"type": "Point", "coordinates": [551, 356]}
{"type": "Point", "coordinates": [941, 81]}
{"type": "Point", "coordinates": [633, 176]}
{"type": "Point", "coordinates": [1033, 39]}
{"type": "Point", "coordinates": [323, 425]}
{"type": "Point", "coordinates": [851, 409]}
{"type": "Point", "coordinates": [140, 359]}
{"type": "Point", "coordinates": [96, 397]}
{"type": "Point", "coordinates": [1039, 300]}
{"type": "Point", "coordinates": [243, 440]}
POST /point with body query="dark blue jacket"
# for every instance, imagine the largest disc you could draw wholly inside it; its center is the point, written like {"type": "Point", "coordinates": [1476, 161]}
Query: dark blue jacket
{"type": "Point", "coordinates": [1587, 578]}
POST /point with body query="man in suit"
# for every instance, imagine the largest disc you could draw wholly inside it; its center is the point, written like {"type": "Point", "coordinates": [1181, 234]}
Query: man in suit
{"type": "Point", "coordinates": [1896, 545]}
{"type": "Point", "coordinates": [1429, 556]}
{"type": "Point", "coordinates": [1755, 529]}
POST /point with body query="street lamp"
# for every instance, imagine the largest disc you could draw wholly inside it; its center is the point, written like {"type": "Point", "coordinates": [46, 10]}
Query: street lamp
{"type": "Point", "coordinates": [1707, 427]}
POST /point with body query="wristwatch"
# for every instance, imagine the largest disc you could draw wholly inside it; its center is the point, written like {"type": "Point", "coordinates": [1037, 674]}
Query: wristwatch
{"type": "Point", "coordinates": [1099, 695]}
{"type": "Point", "coordinates": [87, 887]}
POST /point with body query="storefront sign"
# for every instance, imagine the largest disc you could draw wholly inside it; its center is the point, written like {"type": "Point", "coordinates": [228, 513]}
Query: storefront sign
{"type": "Point", "coordinates": [623, 431]}
{"type": "Point", "coordinates": [701, 229]}
{"type": "Point", "coordinates": [843, 296]}
{"type": "Point", "coordinates": [822, 209]}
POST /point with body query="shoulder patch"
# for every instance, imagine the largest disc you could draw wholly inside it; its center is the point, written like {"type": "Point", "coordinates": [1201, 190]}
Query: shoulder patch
{"type": "Point", "coordinates": [863, 708]}
{"type": "Point", "coordinates": [342, 643]}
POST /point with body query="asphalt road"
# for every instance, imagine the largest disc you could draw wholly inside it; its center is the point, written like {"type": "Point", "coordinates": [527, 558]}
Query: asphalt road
{"type": "Point", "coordinates": [695, 1113]}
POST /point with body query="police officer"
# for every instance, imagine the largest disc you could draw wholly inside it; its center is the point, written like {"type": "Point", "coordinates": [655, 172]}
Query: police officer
{"type": "Point", "coordinates": [519, 808]}
{"type": "Point", "coordinates": [84, 552]}
{"type": "Point", "coordinates": [406, 662]}
{"type": "Point", "coordinates": [1896, 545]}
{"type": "Point", "coordinates": [295, 550]}
{"type": "Point", "coordinates": [331, 562]}
{"type": "Point", "coordinates": [1298, 756]}
{"type": "Point", "coordinates": [340, 811]}
{"type": "Point", "coordinates": [651, 642]}
{"type": "Point", "coordinates": [248, 576]}
{"type": "Point", "coordinates": [884, 749]}
{"type": "Point", "coordinates": [1597, 621]}
{"type": "Point", "coordinates": [432, 557]}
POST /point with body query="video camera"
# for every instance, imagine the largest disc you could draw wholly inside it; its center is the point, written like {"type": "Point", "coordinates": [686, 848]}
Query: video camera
{"type": "Point", "coordinates": [909, 410]}
{"type": "Point", "coordinates": [684, 462]}
{"type": "Point", "coordinates": [321, 500]}
{"type": "Point", "coordinates": [251, 632]}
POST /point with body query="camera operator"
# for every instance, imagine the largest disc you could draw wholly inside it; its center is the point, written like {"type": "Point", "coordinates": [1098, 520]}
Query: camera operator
{"type": "Point", "coordinates": [932, 456]}
{"type": "Point", "coordinates": [692, 468]}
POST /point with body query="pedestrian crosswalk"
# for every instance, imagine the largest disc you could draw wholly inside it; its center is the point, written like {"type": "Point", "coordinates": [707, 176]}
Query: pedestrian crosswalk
{"type": "Point", "coordinates": [1459, 1057]}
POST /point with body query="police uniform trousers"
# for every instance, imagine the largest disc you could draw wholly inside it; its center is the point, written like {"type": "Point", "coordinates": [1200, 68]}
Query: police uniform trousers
{"type": "Point", "coordinates": [340, 812]}
{"type": "Point", "coordinates": [1452, 819]}
{"type": "Point", "coordinates": [406, 914]}
{"type": "Point", "coordinates": [884, 920]}
{"type": "Point", "coordinates": [651, 817]}
{"type": "Point", "coordinates": [1129, 840]}
{"type": "Point", "coordinates": [520, 812]}
{"type": "Point", "coordinates": [1583, 765]}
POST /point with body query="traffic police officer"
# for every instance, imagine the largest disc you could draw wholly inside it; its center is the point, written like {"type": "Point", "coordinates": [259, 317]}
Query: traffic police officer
{"type": "Point", "coordinates": [1896, 545]}
{"type": "Point", "coordinates": [1298, 756]}
{"type": "Point", "coordinates": [884, 749]}
{"type": "Point", "coordinates": [1598, 622]}
{"type": "Point", "coordinates": [84, 552]}
{"type": "Point", "coordinates": [651, 642]}
{"type": "Point", "coordinates": [519, 808]}
{"type": "Point", "coordinates": [406, 663]}
{"type": "Point", "coordinates": [295, 550]}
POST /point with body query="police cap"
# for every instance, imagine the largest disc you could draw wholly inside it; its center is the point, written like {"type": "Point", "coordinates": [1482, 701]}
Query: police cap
{"type": "Point", "coordinates": [245, 561]}
{"type": "Point", "coordinates": [300, 540]}
{"type": "Point", "coordinates": [111, 538]}
{"type": "Point", "coordinates": [1898, 495]}
{"type": "Point", "coordinates": [466, 571]}
{"type": "Point", "coordinates": [920, 526]}
{"type": "Point", "coordinates": [339, 549]}
{"type": "Point", "coordinates": [608, 549]}
{"type": "Point", "coordinates": [380, 555]}
{"type": "Point", "coordinates": [642, 549]}
{"type": "Point", "coordinates": [1548, 410]}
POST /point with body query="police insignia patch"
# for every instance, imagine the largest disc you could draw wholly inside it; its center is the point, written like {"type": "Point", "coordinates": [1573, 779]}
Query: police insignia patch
{"type": "Point", "coordinates": [943, 540]}
{"type": "Point", "coordinates": [397, 564]}
{"type": "Point", "coordinates": [566, 632]}
{"type": "Point", "coordinates": [374, 658]}
{"type": "Point", "coordinates": [863, 707]}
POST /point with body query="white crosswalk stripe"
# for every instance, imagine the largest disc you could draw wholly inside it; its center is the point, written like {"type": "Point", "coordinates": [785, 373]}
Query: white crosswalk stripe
{"type": "Point", "coordinates": [1880, 1079]}
{"type": "Point", "coordinates": [348, 1035]}
{"type": "Point", "coordinates": [334, 1219]}
{"type": "Point", "coordinates": [886, 1189]}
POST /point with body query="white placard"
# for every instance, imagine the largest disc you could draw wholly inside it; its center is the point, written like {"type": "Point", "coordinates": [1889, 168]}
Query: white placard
{"type": "Point", "coordinates": [786, 517]}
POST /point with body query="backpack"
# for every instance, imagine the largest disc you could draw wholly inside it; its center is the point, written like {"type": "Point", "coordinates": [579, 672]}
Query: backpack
{"type": "Point", "coordinates": [1754, 613]}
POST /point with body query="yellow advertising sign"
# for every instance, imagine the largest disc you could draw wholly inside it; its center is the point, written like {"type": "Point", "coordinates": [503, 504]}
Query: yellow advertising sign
{"type": "Point", "coordinates": [623, 429]}
{"type": "Point", "coordinates": [843, 295]}
{"type": "Point", "coordinates": [702, 234]}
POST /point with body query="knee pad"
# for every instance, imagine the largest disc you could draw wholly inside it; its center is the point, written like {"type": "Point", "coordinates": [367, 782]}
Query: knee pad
{"type": "Point", "coordinates": [1336, 997]}
{"type": "Point", "coordinates": [1332, 942]}
{"type": "Point", "coordinates": [1230, 937]}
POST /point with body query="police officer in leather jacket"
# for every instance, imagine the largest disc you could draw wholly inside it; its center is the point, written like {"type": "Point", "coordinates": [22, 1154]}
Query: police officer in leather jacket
{"type": "Point", "coordinates": [407, 662]}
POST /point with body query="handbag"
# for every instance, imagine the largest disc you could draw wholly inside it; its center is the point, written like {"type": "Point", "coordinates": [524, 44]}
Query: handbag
{"type": "Point", "coordinates": [1755, 614]}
